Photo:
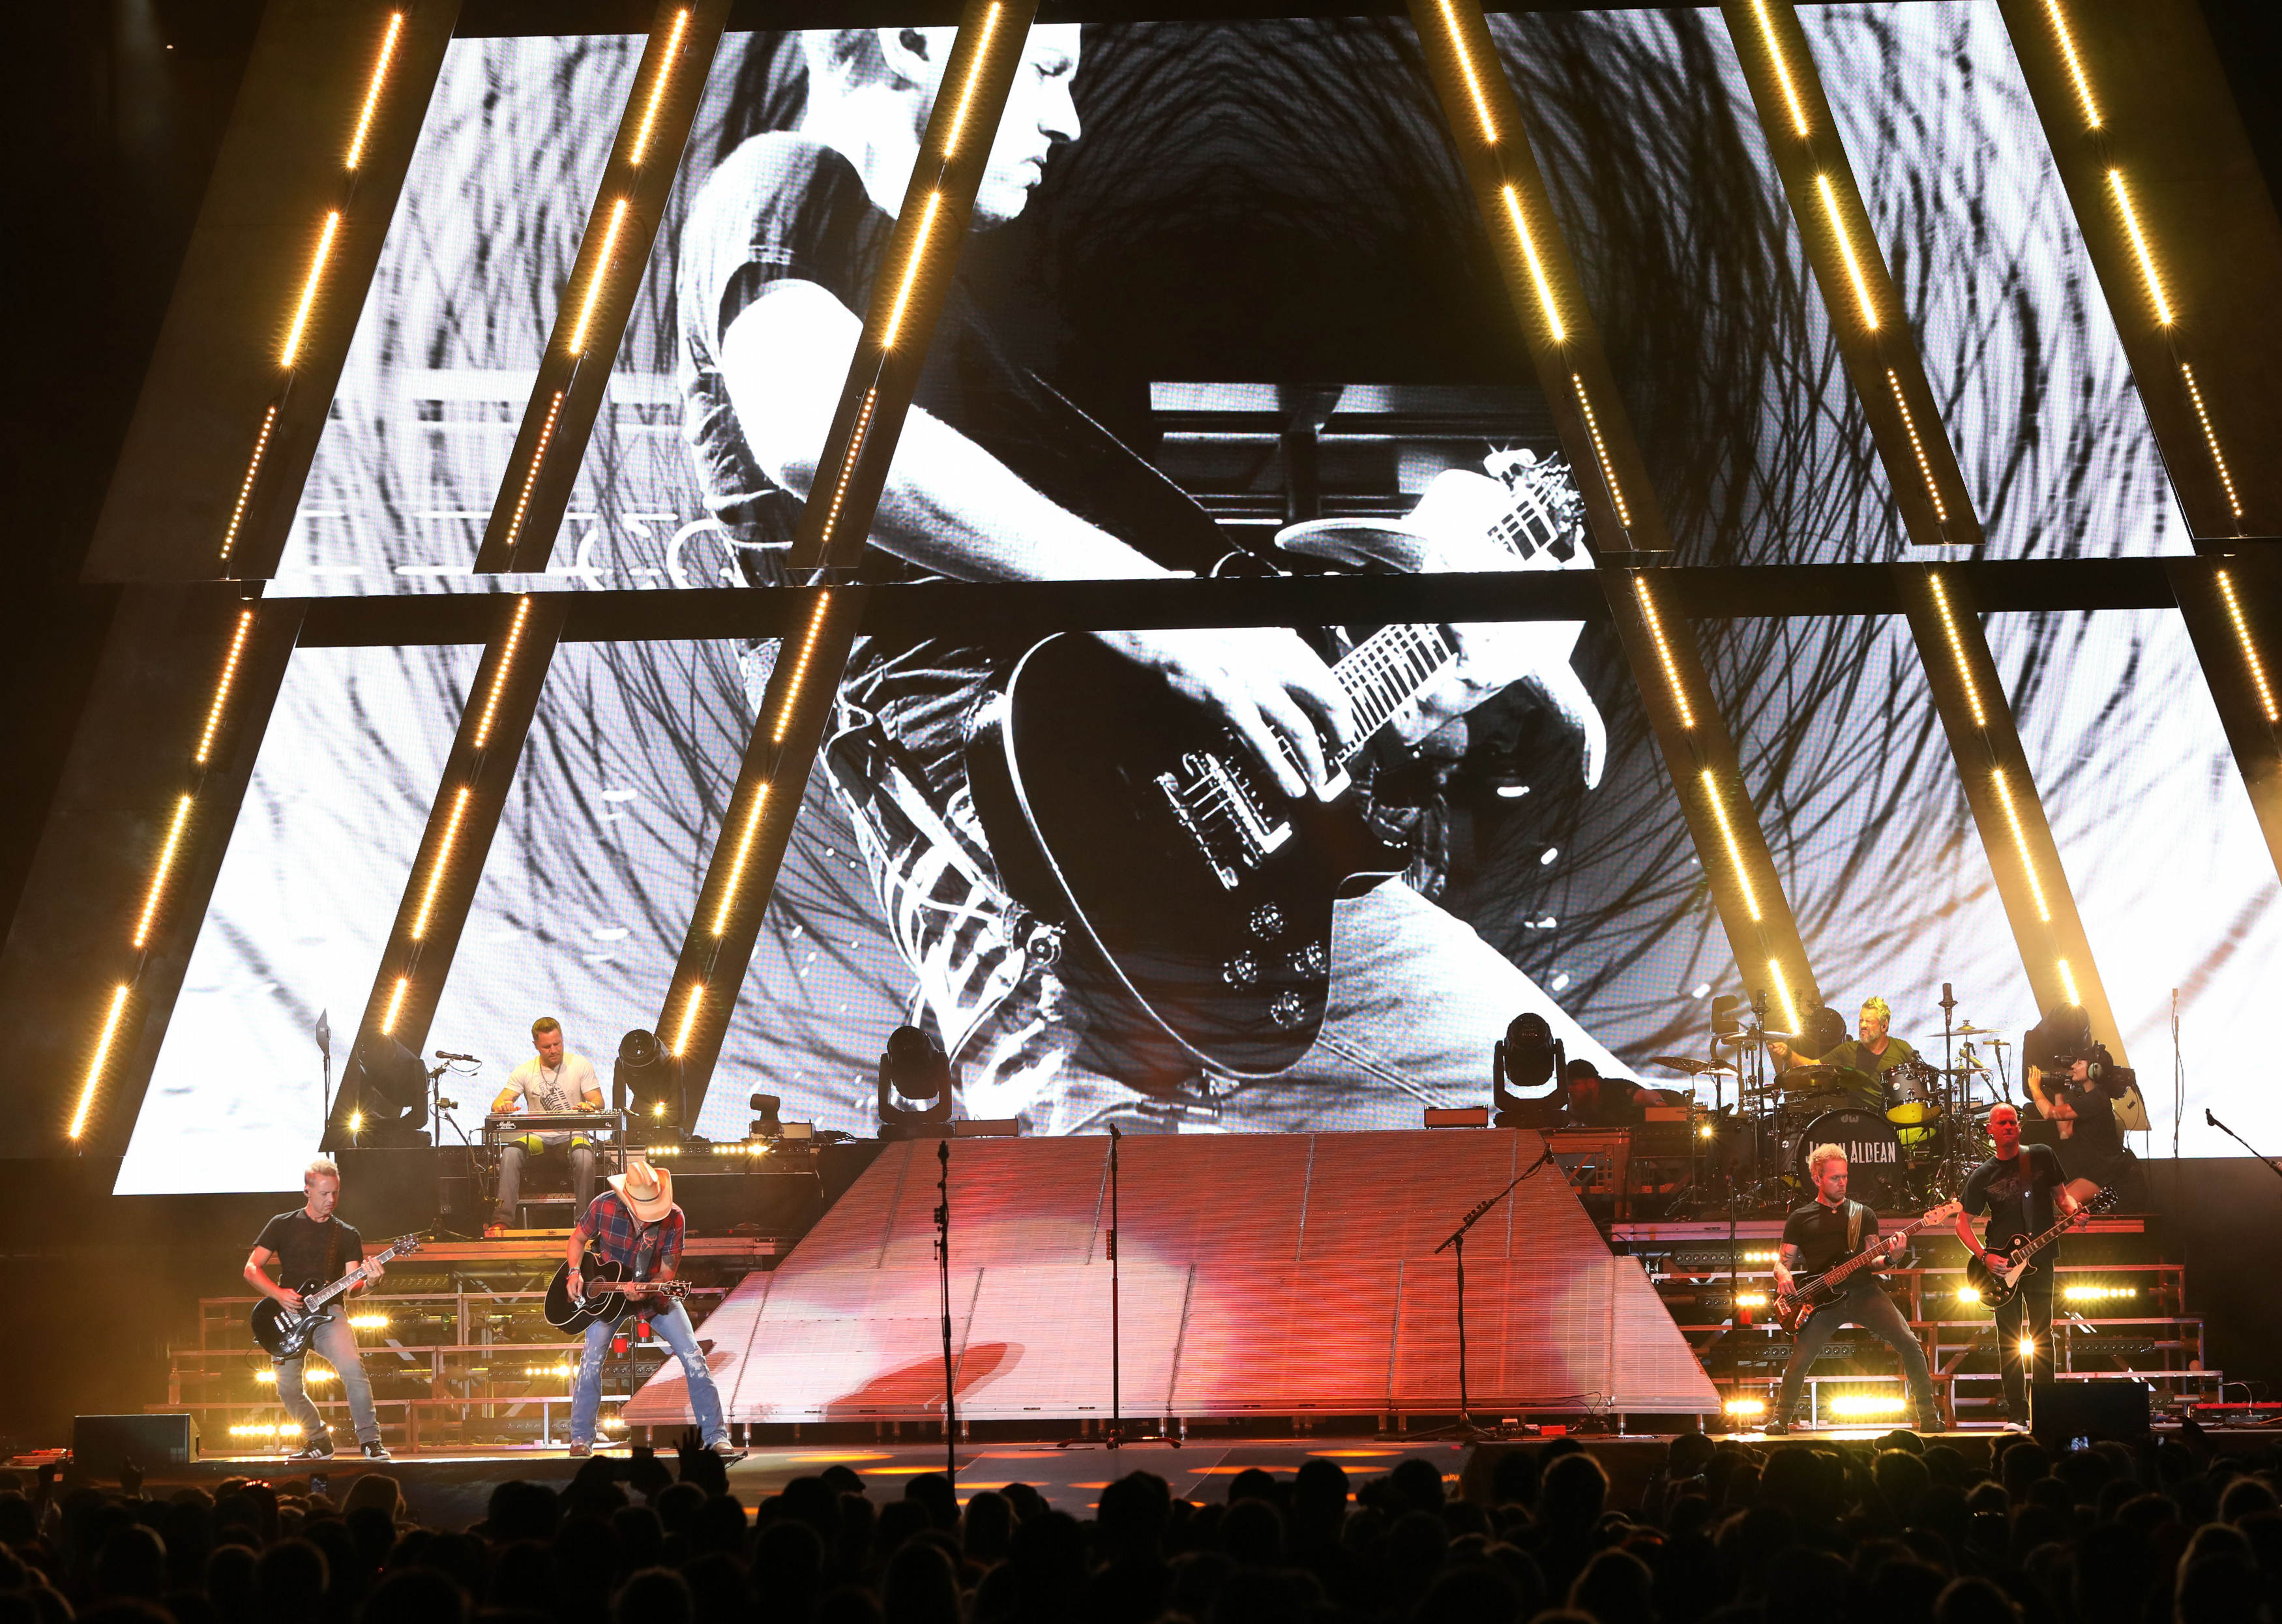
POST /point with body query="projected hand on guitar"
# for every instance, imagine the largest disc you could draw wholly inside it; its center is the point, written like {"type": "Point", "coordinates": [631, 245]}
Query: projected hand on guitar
{"type": "Point", "coordinates": [1282, 702]}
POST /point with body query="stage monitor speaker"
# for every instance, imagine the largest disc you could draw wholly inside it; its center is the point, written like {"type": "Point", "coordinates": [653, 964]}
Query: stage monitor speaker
{"type": "Point", "coordinates": [2067, 1413]}
{"type": "Point", "coordinates": [100, 1444]}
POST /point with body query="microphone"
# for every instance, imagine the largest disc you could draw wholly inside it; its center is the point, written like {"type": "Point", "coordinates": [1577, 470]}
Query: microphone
{"type": "Point", "coordinates": [446, 1054]}
{"type": "Point", "coordinates": [2208, 1117]}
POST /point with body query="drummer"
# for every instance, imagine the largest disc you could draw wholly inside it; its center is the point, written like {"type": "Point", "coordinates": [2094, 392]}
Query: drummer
{"type": "Point", "coordinates": [1872, 1055]}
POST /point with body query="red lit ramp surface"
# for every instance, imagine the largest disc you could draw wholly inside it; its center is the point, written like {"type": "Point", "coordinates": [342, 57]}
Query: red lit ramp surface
{"type": "Point", "coordinates": [1280, 1274]}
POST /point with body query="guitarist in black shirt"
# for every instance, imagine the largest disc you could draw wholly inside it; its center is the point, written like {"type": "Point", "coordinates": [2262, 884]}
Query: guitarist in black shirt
{"type": "Point", "coordinates": [2018, 1188]}
{"type": "Point", "coordinates": [1821, 1235]}
{"type": "Point", "coordinates": [310, 1244]}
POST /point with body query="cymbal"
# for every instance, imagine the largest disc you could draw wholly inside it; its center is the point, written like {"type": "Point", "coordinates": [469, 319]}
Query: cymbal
{"type": "Point", "coordinates": [1693, 1067]}
{"type": "Point", "coordinates": [1815, 1076]}
{"type": "Point", "coordinates": [1970, 1031]}
{"type": "Point", "coordinates": [1758, 1039]}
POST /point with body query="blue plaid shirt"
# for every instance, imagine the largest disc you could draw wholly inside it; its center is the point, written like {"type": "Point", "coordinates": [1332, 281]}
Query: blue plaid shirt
{"type": "Point", "coordinates": [647, 1250]}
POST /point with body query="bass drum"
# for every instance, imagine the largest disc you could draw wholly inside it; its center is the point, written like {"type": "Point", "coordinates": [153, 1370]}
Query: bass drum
{"type": "Point", "coordinates": [1874, 1157]}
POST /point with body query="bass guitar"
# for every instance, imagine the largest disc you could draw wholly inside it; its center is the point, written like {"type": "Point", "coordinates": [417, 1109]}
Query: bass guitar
{"type": "Point", "coordinates": [1118, 809]}
{"type": "Point", "coordinates": [599, 1300]}
{"type": "Point", "coordinates": [1810, 1295]}
{"type": "Point", "coordinates": [1997, 1286]}
{"type": "Point", "coordinates": [284, 1334]}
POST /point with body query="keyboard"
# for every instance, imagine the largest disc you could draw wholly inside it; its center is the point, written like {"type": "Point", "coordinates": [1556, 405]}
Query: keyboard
{"type": "Point", "coordinates": [502, 1127]}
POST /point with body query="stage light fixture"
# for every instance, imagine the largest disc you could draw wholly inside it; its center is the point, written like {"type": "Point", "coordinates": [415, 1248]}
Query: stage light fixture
{"type": "Point", "coordinates": [443, 860]}
{"type": "Point", "coordinates": [1600, 451]}
{"type": "Point", "coordinates": [1527, 1057]}
{"type": "Point", "coordinates": [293, 334]}
{"type": "Point", "coordinates": [95, 1067]}
{"type": "Point", "coordinates": [647, 1079]}
{"type": "Point", "coordinates": [395, 1003]}
{"type": "Point", "coordinates": [1846, 250]}
{"type": "Point", "coordinates": [245, 486]}
{"type": "Point", "coordinates": [1537, 277]}
{"type": "Point", "coordinates": [598, 276]}
{"type": "Point", "coordinates": [658, 81]}
{"type": "Point", "coordinates": [914, 1087]}
{"type": "Point", "coordinates": [530, 474]}
{"type": "Point", "coordinates": [1917, 444]}
{"type": "Point", "coordinates": [2098, 1293]}
{"type": "Point", "coordinates": [223, 686]}
{"type": "Point", "coordinates": [2241, 625]}
{"type": "Point", "coordinates": [737, 860]}
{"type": "Point", "coordinates": [1956, 647]}
{"type": "Point", "coordinates": [912, 263]}
{"type": "Point", "coordinates": [1474, 92]}
{"type": "Point", "coordinates": [2083, 95]}
{"type": "Point", "coordinates": [1969, 1293]}
{"type": "Point", "coordinates": [2067, 981]}
{"type": "Point", "coordinates": [2210, 439]}
{"type": "Point", "coordinates": [159, 875]}
{"type": "Point", "coordinates": [848, 468]}
{"type": "Point", "coordinates": [373, 87]}
{"type": "Point", "coordinates": [2139, 247]}
{"type": "Point", "coordinates": [2020, 844]}
{"type": "Point", "coordinates": [2027, 1348]}
{"type": "Point", "coordinates": [1745, 1406]}
{"type": "Point", "coordinates": [1866, 1406]}
{"type": "Point", "coordinates": [1782, 993]}
{"type": "Point", "coordinates": [688, 1019]}
{"type": "Point", "coordinates": [386, 1088]}
{"type": "Point", "coordinates": [368, 1322]}
{"type": "Point", "coordinates": [1782, 68]}
{"type": "Point", "coordinates": [1750, 1300]}
{"type": "Point", "coordinates": [800, 664]}
{"type": "Point", "coordinates": [1727, 1018]}
{"type": "Point", "coordinates": [1719, 805]}
{"type": "Point", "coordinates": [975, 66]}
{"type": "Point", "coordinates": [498, 673]}
{"type": "Point", "coordinates": [768, 1120]}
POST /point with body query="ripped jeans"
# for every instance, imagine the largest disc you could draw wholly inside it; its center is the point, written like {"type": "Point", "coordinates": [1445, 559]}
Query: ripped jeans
{"type": "Point", "coordinates": [671, 1323]}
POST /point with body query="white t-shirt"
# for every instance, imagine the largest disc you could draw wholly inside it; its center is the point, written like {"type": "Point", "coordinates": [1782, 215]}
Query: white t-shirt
{"type": "Point", "coordinates": [560, 1088]}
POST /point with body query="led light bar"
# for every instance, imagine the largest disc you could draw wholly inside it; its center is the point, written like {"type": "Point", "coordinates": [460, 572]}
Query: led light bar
{"type": "Point", "coordinates": [659, 82]}
{"type": "Point", "coordinates": [1782, 68]}
{"type": "Point", "coordinates": [253, 473]}
{"type": "Point", "coordinates": [1552, 311]}
{"type": "Point", "coordinates": [443, 861]}
{"type": "Point", "coordinates": [158, 876]}
{"type": "Point", "coordinates": [1957, 649]}
{"type": "Point", "coordinates": [1846, 250]}
{"type": "Point", "coordinates": [912, 263]}
{"type": "Point", "coordinates": [2067, 981]}
{"type": "Point", "coordinates": [1782, 989]}
{"type": "Point", "coordinates": [223, 688]}
{"type": "Point", "coordinates": [744, 852]}
{"type": "Point", "coordinates": [1466, 70]}
{"type": "Point", "coordinates": [848, 465]}
{"type": "Point", "coordinates": [2092, 117]}
{"type": "Point", "coordinates": [1664, 653]}
{"type": "Point", "coordinates": [800, 667]}
{"type": "Point", "coordinates": [294, 334]}
{"type": "Point", "coordinates": [2249, 649]}
{"type": "Point", "coordinates": [688, 1019]}
{"type": "Point", "coordinates": [974, 65]}
{"type": "Point", "coordinates": [530, 474]}
{"type": "Point", "coordinates": [2020, 846]}
{"type": "Point", "coordinates": [1600, 451]}
{"type": "Point", "coordinates": [395, 1007]}
{"type": "Point", "coordinates": [598, 276]}
{"type": "Point", "coordinates": [1719, 804]}
{"type": "Point", "coordinates": [2163, 318]}
{"type": "Point", "coordinates": [102, 1058]}
{"type": "Point", "coordinates": [499, 673]}
{"type": "Point", "coordinates": [2210, 439]}
{"type": "Point", "coordinates": [372, 88]}
{"type": "Point", "coordinates": [1917, 444]}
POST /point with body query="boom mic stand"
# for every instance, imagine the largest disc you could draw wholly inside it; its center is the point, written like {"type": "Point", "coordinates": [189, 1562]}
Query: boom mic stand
{"type": "Point", "coordinates": [2239, 1139]}
{"type": "Point", "coordinates": [1116, 1412]}
{"type": "Point", "coordinates": [1467, 1427]}
{"type": "Point", "coordinates": [943, 1270]}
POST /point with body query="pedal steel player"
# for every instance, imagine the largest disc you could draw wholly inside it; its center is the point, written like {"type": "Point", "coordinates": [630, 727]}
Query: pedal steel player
{"type": "Point", "coordinates": [2075, 1082]}
{"type": "Point", "coordinates": [635, 1224]}
{"type": "Point", "coordinates": [552, 1080]}
{"type": "Point", "coordinates": [2018, 1188]}
{"type": "Point", "coordinates": [311, 1244]}
{"type": "Point", "coordinates": [1873, 1054]}
{"type": "Point", "coordinates": [1821, 1235]}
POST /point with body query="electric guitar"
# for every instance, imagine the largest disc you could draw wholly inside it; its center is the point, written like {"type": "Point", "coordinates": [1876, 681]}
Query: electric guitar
{"type": "Point", "coordinates": [572, 1315]}
{"type": "Point", "coordinates": [1997, 1286]}
{"type": "Point", "coordinates": [1115, 807]}
{"type": "Point", "coordinates": [1810, 1295]}
{"type": "Point", "coordinates": [284, 1334]}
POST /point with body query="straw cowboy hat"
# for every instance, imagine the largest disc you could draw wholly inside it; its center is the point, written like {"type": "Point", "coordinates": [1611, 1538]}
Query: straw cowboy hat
{"type": "Point", "coordinates": [647, 1191]}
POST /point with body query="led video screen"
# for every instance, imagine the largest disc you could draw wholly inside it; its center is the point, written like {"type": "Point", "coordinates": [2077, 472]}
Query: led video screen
{"type": "Point", "coordinates": [1232, 299]}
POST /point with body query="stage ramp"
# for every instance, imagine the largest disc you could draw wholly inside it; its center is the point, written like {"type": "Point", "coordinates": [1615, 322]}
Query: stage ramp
{"type": "Point", "coordinates": [1282, 1274]}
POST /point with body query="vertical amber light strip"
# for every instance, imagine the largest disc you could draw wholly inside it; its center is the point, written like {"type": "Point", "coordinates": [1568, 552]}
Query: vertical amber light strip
{"type": "Point", "coordinates": [1956, 651]}
{"type": "Point", "coordinates": [1719, 804]}
{"type": "Point", "coordinates": [1782, 68]}
{"type": "Point", "coordinates": [722, 909]}
{"type": "Point", "coordinates": [1537, 276]}
{"type": "Point", "coordinates": [596, 278]}
{"type": "Point", "coordinates": [223, 686]}
{"type": "Point", "coordinates": [2075, 64]}
{"type": "Point", "coordinates": [2067, 981]}
{"type": "Point", "coordinates": [912, 263]}
{"type": "Point", "coordinates": [1600, 451]}
{"type": "Point", "coordinates": [1925, 466]}
{"type": "Point", "coordinates": [1782, 996]}
{"type": "Point", "coordinates": [975, 64]}
{"type": "Point", "coordinates": [848, 463]}
{"type": "Point", "coordinates": [2210, 438]}
{"type": "Point", "coordinates": [689, 1018]}
{"type": "Point", "coordinates": [2139, 247]}
{"type": "Point", "coordinates": [443, 861]}
{"type": "Point", "coordinates": [1466, 70]}
{"type": "Point", "coordinates": [300, 327]}
{"type": "Point", "coordinates": [1846, 250]}
{"type": "Point", "coordinates": [245, 486]}
{"type": "Point", "coordinates": [2241, 624]}
{"type": "Point", "coordinates": [160, 873]}
{"type": "Point", "coordinates": [395, 1005]}
{"type": "Point", "coordinates": [102, 1058]}
{"type": "Point", "coordinates": [2020, 847]}
{"type": "Point", "coordinates": [373, 88]}
{"type": "Point", "coordinates": [659, 82]}
{"type": "Point", "coordinates": [499, 673]}
{"type": "Point", "coordinates": [1664, 653]}
{"type": "Point", "coordinates": [800, 668]}
{"type": "Point", "coordinates": [530, 474]}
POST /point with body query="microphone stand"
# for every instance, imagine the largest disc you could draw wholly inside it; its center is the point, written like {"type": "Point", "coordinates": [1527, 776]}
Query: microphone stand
{"type": "Point", "coordinates": [1456, 1245]}
{"type": "Point", "coordinates": [2239, 1139]}
{"type": "Point", "coordinates": [1116, 1411]}
{"type": "Point", "coordinates": [942, 1268]}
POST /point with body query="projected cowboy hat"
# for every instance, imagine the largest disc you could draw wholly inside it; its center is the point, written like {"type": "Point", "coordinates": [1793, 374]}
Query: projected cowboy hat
{"type": "Point", "coordinates": [647, 1191]}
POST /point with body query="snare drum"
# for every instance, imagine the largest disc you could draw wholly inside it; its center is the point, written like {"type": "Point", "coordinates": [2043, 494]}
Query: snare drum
{"type": "Point", "coordinates": [1873, 1155]}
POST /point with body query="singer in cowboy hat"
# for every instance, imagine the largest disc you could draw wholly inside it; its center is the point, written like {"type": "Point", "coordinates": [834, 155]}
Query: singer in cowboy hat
{"type": "Point", "coordinates": [635, 1224]}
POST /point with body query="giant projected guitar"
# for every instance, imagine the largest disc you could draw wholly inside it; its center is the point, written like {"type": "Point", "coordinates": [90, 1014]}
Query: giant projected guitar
{"type": "Point", "coordinates": [1118, 808]}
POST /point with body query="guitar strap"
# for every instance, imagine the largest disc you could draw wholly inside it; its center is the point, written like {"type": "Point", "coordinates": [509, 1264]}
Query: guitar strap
{"type": "Point", "coordinates": [1855, 1213]}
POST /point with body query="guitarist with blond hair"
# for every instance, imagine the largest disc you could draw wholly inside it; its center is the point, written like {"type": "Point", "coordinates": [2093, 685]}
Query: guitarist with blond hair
{"type": "Point", "coordinates": [1829, 1230]}
{"type": "Point", "coordinates": [2018, 1188]}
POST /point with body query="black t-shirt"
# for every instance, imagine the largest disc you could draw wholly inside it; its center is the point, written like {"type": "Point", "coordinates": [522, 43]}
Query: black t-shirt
{"type": "Point", "coordinates": [2017, 1195]}
{"type": "Point", "coordinates": [1820, 1235]}
{"type": "Point", "coordinates": [306, 1252]}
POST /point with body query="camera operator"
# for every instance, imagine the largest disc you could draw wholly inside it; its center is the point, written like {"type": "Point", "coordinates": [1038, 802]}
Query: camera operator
{"type": "Point", "coordinates": [2075, 1082]}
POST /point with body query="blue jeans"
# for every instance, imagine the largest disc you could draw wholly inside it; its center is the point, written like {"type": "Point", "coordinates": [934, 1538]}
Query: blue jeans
{"type": "Point", "coordinates": [339, 1345]}
{"type": "Point", "coordinates": [674, 1330]}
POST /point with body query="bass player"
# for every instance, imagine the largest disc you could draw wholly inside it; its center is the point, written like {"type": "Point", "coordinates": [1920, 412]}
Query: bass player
{"type": "Point", "coordinates": [2018, 1188]}
{"type": "Point", "coordinates": [1821, 1235]}
{"type": "Point", "coordinates": [310, 1244]}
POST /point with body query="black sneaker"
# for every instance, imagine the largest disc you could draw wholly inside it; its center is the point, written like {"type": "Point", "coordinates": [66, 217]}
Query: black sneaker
{"type": "Point", "coordinates": [318, 1447]}
{"type": "Point", "coordinates": [1777, 1427]}
{"type": "Point", "coordinates": [374, 1450]}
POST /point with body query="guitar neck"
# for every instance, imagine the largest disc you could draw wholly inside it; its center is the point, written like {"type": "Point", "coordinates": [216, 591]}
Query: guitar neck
{"type": "Point", "coordinates": [1386, 671]}
{"type": "Point", "coordinates": [2049, 1236]}
{"type": "Point", "coordinates": [355, 1277]}
{"type": "Point", "coordinates": [1845, 1270]}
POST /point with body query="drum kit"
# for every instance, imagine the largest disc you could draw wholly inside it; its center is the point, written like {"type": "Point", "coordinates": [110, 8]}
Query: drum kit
{"type": "Point", "coordinates": [1912, 1135]}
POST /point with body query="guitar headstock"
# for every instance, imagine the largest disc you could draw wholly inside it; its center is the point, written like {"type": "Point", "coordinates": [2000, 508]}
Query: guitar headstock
{"type": "Point", "coordinates": [405, 1245]}
{"type": "Point", "coordinates": [2103, 1199]}
{"type": "Point", "coordinates": [1947, 1212]}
